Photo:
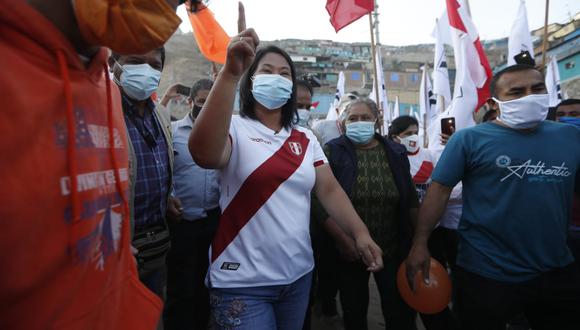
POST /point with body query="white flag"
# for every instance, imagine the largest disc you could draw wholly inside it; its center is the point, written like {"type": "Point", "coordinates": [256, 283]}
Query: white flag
{"type": "Point", "coordinates": [441, 86]}
{"type": "Point", "coordinates": [416, 115]}
{"type": "Point", "coordinates": [520, 38]}
{"type": "Point", "coordinates": [553, 82]}
{"type": "Point", "coordinates": [383, 102]}
{"type": "Point", "coordinates": [332, 114]}
{"type": "Point", "coordinates": [396, 109]}
{"type": "Point", "coordinates": [427, 101]}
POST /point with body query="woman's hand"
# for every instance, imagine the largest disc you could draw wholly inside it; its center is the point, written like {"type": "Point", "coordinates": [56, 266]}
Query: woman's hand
{"type": "Point", "coordinates": [371, 253]}
{"type": "Point", "coordinates": [241, 53]}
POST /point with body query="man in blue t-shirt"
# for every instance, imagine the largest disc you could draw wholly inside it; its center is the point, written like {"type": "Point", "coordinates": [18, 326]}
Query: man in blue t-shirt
{"type": "Point", "coordinates": [519, 176]}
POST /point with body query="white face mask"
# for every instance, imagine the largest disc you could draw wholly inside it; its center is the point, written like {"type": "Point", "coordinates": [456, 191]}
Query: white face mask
{"type": "Point", "coordinates": [525, 112]}
{"type": "Point", "coordinates": [410, 142]}
{"type": "Point", "coordinates": [303, 117]}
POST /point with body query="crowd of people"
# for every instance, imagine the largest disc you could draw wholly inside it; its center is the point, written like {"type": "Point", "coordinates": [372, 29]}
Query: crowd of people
{"type": "Point", "coordinates": [116, 217]}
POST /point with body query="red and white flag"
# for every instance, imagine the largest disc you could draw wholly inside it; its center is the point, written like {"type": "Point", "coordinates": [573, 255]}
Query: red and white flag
{"type": "Point", "coordinates": [344, 12]}
{"type": "Point", "coordinates": [473, 73]}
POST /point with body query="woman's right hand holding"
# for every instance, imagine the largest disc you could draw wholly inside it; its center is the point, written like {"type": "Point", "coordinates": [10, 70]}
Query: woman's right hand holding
{"type": "Point", "coordinates": [241, 53]}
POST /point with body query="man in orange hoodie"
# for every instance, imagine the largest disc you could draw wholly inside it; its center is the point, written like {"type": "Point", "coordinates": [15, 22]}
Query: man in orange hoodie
{"type": "Point", "coordinates": [64, 228]}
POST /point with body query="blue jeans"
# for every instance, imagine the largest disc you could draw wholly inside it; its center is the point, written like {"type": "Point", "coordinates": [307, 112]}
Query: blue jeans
{"type": "Point", "coordinates": [280, 307]}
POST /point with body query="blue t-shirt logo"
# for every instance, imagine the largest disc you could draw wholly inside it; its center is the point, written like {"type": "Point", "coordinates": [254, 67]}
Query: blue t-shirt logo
{"type": "Point", "coordinates": [503, 161]}
{"type": "Point", "coordinates": [536, 173]}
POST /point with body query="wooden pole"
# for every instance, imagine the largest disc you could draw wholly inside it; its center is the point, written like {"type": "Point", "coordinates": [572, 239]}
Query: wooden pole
{"type": "Point", "coordinates": [425, 139]}
{"type": "Point", "coordinates": [427, 104]}
{"type": "Point", "coordinates": [375, 70]}
{"type": "Point", "coordinates": [441, 99]}
{"type": "Point", "coordinates": [545, 41]}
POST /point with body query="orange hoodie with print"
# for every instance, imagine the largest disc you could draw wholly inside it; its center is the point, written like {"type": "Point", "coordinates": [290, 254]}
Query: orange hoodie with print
{"type": "Point", "coordinates": [64, 231]}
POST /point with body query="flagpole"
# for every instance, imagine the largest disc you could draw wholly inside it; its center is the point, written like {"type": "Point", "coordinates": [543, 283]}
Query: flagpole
{"type": "Point", "coordinates": [442, 100]}
{"type": "Point", "coordinates": [376, 83]}
{"type": "Point", "coordinates": [545, 41]}
{"type": "Point", "coordinates": [427, 105]}
{"type": "Point", "coordinates": [425, 130]}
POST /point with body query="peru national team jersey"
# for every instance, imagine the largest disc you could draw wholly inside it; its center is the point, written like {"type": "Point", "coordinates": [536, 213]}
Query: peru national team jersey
{"type": "Point", "coordinates": [421, 166]}
{"type": "Point", "coordinates": [263, 237]}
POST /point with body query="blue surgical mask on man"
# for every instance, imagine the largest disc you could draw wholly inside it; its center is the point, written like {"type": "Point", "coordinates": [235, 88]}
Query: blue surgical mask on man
{"type": "Point", "coordinates": [570, 120]}
{"type": "Point", "coordinates": [139, 81]}
{"type": "Point", "coordinates": [360, 132]}
{"type": "Point", "coordinates": [271, 90]}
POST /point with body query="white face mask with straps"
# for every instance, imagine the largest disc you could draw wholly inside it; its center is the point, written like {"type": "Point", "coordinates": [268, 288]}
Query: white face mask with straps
{"type": "Point", "coordinates": [410, 142]}
{"type": "Point", "coordinates": [525, 112]}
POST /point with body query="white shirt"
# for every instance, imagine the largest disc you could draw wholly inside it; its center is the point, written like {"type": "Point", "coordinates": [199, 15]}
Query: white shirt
{"type": "Point", "coordinates": [263, 238]}
{"type": "Point", "coordinates": [327, 130]}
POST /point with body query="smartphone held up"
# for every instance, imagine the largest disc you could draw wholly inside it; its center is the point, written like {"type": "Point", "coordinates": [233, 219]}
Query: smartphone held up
{"type": "Point", "coordinates": [448, 125]}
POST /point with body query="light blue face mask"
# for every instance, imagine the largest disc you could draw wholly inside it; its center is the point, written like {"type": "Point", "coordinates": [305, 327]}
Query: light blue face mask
{"type": "Point", "coordinates": [139, 81]}
{"type": "Point", "coordinates": [303, 117]}
{"type": "Point", "coordinates": [360, 132]}
{"type": "Point", "coordinates": [271, 90]}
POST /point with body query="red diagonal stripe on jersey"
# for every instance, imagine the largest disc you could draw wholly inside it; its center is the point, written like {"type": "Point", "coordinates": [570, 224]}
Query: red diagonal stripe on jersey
{"type": "Point", "coordinates": [257, 189]}
{"type": "Point", "coordinates": [424, 173]}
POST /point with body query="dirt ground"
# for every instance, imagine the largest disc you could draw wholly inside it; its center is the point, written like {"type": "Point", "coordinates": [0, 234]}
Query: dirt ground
{"type": "Point", "coordinates": [375, 317]}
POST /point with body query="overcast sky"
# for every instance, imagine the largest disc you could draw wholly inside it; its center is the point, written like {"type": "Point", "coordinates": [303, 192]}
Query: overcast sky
{"type": "Point", "coordinates": [402, 22]}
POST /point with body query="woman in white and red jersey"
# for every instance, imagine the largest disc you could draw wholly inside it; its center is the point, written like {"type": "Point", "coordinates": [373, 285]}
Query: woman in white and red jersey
{"type": "Point", "coordinates": [405, 130]}
{"type": "Point", "coordinates": [261, 257]}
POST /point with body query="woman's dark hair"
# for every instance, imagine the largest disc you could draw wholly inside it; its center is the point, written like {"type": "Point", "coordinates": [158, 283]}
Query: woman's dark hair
{"type": "Point", "coordinates": [247, 101]}
{"type": "Point", "coordinates": [400, 124]}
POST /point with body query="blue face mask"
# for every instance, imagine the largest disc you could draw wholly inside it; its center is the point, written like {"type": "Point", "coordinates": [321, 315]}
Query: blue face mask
{"type": "Point", "coordinates": [271, 90]}
{"type": "Point", "coordinates": [360, 132]}
{"type": "Point", "coordinates": [570, 120]}
{"type": "Point", "coordinates": [139, 81]}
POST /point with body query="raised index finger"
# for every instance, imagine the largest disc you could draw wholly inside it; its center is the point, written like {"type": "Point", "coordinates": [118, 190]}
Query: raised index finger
{"type": "Point", "coordinates": [241, 17]}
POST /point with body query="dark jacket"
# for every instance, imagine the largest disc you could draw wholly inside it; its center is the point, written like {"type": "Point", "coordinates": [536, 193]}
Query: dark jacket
{"type": "Point", "coordinates": [342, 159]}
